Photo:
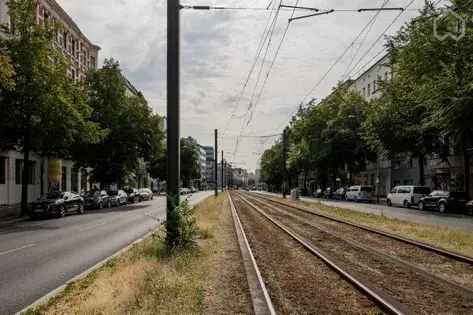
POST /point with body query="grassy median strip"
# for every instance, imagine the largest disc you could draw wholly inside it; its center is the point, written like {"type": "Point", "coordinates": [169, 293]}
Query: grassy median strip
{"type": "Point", "coordinates": [206, 279]}
{"type": "Point", "coordinates": [451, 239]}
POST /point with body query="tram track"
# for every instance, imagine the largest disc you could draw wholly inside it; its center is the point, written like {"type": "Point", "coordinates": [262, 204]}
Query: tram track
{"type": "Point", "coordinates": [405, 286]}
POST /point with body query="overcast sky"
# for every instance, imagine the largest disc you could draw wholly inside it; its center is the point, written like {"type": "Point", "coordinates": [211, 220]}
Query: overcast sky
{"type": "Point", "coordinates": [218, 49]}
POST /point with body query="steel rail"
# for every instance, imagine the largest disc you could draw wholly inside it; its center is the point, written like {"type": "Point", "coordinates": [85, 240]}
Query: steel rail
{"type": "Point", "coordinates": [432, 248]}
{"type": "Point", "coordinates": [262, 304]}
{"type": "Point", "coordinates": [370, 249]}
{"type": "Point", "coordinates": [386, 302]}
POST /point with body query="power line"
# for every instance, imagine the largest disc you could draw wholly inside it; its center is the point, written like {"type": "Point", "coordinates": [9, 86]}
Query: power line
{"type": "Point", "coordinates": [378, 39]}
{"type": "Point", "coordinates": [263, 38]}
{"type": "Point", "coordinates": [372, 22]}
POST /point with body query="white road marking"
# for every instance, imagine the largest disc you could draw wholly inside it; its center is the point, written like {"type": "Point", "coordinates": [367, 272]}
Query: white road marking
{"type": "Point", "coordinates": [16, 249]}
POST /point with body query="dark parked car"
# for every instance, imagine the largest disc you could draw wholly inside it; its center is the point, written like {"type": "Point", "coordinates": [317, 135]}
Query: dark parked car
{"type": "Point", "coordinates": [118, 197]}
{"type": "Point", "coordinates": [133, 195]}
{"type": "Point", "coordinates": [97, 200]}
{"type": "Point", "coordinates": [145, 194]}
{"type": "Point", "coordinates": [469, 207]}
{"type": "Point", "coordinates": [57, 204]}
{"type": "Point", "coordinates": [444, 201]}
{"type": "Point", "coordinates": [328, 193]}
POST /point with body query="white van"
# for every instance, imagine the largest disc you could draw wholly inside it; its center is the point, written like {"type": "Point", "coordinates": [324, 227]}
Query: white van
{"type": "Point", "coordinates": [359, 193]}
{"type": "Point", "coordinates": [407, 196]}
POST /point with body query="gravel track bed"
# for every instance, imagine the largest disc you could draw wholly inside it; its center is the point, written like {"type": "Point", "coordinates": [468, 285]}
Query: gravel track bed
{"type": "Point", "coordinates": [445, 267]}
{"type": "Point", "coordinates": [421, 294]}
{"type": "Point", "coordinates": [298, 282]}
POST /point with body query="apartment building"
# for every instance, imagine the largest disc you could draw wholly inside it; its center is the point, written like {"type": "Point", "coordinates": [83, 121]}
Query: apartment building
{"type": "Point", "coordinates": [209, 165]}
{"type": "Point", "coordinates": [404, 170]}
{"type": "Point", "coordinates": [47, 173]}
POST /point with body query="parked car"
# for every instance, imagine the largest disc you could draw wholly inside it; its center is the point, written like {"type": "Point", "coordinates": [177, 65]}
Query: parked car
{"type": "Point", "coordinates": [328, 193]}
{"type": "Point", "coordinates": [444, 201]}
{"type": "Point", "coordinates": [193, 189]}
{"type": "Point", "coordinates": [469, 207]}
{"type": "Point", "coordinates": [145, 194]}
{"type": "Point", "coordinates": [133, 195]}
{"type": "Point", "coordinates": [96, 199]}
{"type": "Point", "coordinates": [407, 196]}
{"type": "Point", "coordinates": [318, 193]}
{"type": "Point", "coordinates": [359, 193]}
{"type": "Point", "coordinates": [57, 204]}
{"type": "Point", "coordinates": [184, 191]}
{"type": "Point", "coordinates": [340, 194]}
{"type": "Point", "coordinates": [118, 197]}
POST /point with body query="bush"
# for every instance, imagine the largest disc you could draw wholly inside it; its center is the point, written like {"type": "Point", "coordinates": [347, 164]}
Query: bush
{"type": "Point", "coordinates": [187, 231]}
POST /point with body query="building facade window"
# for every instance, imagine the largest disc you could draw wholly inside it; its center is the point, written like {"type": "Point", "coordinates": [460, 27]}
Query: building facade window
{"type": "Point", "coordinates": [3, 171]}
{"type": "Point", "coordinates": [19, 166]}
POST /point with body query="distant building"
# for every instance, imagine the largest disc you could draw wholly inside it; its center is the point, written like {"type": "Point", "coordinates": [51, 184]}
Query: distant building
{"type": "Point", "coordinates": [209, 165]}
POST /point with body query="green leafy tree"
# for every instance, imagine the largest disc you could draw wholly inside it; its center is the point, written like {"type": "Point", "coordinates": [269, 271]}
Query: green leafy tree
{"type": "Point", "coordinates": [45, 112]}
{"type": "Point", "coordinates": [272, 167]}
{"type": "Point", "coordinates": [134, 133]}
{"type": "Point", "coordinates": [189, 160]}
{"type": "Point", "coordinates": [7, 73]}
{"type": "Point", "coordinates": [437, 74]}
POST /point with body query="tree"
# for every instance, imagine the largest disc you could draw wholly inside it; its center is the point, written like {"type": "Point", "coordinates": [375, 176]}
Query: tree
{"type": "Point", "coordinates": [271, 166]}
{"type": "Point", "coordinates": [439, 72]}
{"type": "Point", "coordinates": [45, 112]}
{"type": "Point", "coordinates": [7, 72]}
{"type": "Point", "coordinates": [190, 168]}
{"type": "Point", "coordinates": [133, 131]}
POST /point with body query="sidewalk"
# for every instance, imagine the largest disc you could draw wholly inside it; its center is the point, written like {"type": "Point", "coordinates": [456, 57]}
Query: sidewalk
{"type": "Point", "coordinates": [453, 221]}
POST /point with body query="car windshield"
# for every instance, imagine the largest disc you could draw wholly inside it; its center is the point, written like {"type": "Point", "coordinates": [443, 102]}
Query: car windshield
{"type": "Point", "coordinates": [113, 193]}
{"type": "Point", "coordinates": [54, 195]}
{"type": "Point", "coordinates": [366, 189]}
{"type": "Point", "coordinates": [422, 190]}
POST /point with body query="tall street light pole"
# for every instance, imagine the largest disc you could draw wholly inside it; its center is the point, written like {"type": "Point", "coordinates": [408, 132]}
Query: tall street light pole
{"type": "Point", "coordinates": [216, 163]}
{"type": "Point", "coordinates": [173, 149]}
{"type": "Point", "coordinates": [223, 176]}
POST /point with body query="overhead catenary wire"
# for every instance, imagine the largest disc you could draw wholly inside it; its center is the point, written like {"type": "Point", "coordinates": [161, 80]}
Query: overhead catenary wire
{"type": "Point", "coordinates": [377, 40]}
{"type": "Point", "coordinates": [261, 43]}
{"type": "Point", "coordinates": [406, 8]}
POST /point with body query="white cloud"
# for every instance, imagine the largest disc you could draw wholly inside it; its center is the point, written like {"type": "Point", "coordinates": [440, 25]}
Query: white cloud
{"type": "Point", "coordinates": [218, 48]}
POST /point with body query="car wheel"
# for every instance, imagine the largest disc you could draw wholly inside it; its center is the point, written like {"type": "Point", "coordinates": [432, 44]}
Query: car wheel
{"type": "Point", "coordinates": [406, 204]}
{"type": "Point", "coordinates": [62, 212]}
{"type": "Point", "coordinates": [81, 209]}
{"type": "Point", "coordinates": [442, 207]}
{"type": "Point", "coordinates": [389, 203]}
{"type": "Point", "coordinates": [421, 206]}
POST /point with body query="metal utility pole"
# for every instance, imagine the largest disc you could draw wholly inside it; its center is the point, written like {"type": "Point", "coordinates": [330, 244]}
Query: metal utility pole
{"type": "Point", "coordinates": [223, 169]}
{"type": "Point", "coordinates": [284, 155]}
{"type": "Point", "coordinates": [216, 163]}
{"type": "Point", "coordinates": [173, 149]}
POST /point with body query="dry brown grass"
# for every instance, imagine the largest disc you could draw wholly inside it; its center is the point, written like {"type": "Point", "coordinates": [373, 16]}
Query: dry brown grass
{"type": "Point", "coordinates": [146, 281]}
{"type": "Point", "coordinates": [451, 239]}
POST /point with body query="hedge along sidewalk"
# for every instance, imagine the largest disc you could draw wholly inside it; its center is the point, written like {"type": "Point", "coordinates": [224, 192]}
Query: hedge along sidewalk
{"type": "Point", "coordinates": [450, 239]}
{"type": "Point", "coordinates": [207, 279]}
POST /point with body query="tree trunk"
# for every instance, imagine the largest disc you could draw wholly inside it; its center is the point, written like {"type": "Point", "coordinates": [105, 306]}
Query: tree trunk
{"type": "Point", "coordinates": [24, 177]}
{"type": "Point", "coordinates": [304, 190]}
{"type": "Point", "coordinates": [466, 163]}
{"type": "Point", "coordinates": [421, 160]}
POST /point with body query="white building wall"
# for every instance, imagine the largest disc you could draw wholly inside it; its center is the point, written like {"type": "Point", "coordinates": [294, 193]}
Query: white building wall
{"type": "Point", "coordinates": [368, 84]}
{"type": "Point", "coordinates": [10, 192]}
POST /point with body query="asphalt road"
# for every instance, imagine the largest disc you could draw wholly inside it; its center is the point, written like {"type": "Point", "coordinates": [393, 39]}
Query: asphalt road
{"type": "Point", "coordinates": [38, 256]}
{"type": "Point", "coordinates": [430, 217]}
